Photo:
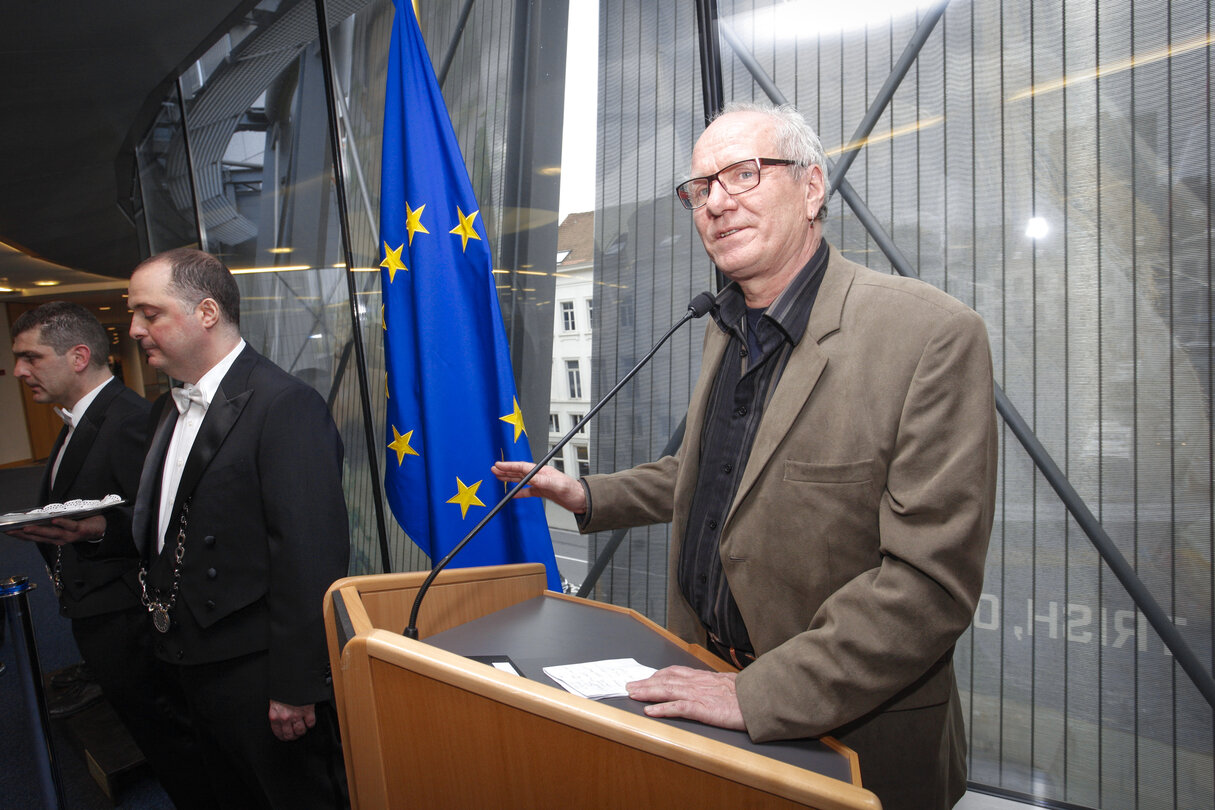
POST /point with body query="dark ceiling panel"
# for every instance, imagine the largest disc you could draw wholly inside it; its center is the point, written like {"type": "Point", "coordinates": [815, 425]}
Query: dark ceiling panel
{"type": "Point", "coordinates": [79, 80]}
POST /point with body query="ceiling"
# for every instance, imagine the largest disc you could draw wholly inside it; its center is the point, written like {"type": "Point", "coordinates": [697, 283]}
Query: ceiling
{"type": "Point", "coordinates": [82, 81]}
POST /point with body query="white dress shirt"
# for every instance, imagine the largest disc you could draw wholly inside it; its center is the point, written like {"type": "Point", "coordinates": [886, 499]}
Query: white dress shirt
{"type": "Point", "coordinates": [72, 419]}
{"type": "Point", "coordinates": [184, 434]}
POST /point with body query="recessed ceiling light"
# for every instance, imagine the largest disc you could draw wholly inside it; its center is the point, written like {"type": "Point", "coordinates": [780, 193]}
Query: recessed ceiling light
{"type": "Point", "coordinates": [281, 250]}
{"type": "Point", "coordinates": [46, 283]}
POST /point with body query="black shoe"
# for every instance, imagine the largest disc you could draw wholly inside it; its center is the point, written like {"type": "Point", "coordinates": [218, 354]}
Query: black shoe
{"type": "Point", "coordinates": [65, 702]}
{"type": "Point", "coordinates": [68, 676]}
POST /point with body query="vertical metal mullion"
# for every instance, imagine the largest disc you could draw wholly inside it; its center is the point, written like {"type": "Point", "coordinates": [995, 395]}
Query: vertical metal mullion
{"type": "Point", "coordinates": [974, 286]}
{"type": "Point", "coordinates": [1172, 398]}
{"type": "Point", "coordinates": [1003, 459]}
{"type": "Point", "coordinates": [1100, 405]}
{"type": "Point", "coordinates": [185, 142]}
{"type": "Point", "coordinates": [1134, 296]}
{"type": "Point", "coordinates": [1210, 346]}
{"type": "Point", "coordinates": [1067, 582]}
{"type": "Point", "coordinates": [1033, 395]}
{"type": "Point", "coordinates": [335, 148]}
{"type": "Point", "coordinates": [711, 91]}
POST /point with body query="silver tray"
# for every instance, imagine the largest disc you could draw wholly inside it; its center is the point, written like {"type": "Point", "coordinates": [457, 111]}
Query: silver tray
{"type": "Point", "coordinates": [19, 520]}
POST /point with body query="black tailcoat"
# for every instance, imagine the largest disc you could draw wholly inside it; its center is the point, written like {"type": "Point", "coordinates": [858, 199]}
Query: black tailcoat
{"type": "Point", "coordinates": [103, 458]}
{"type": "Point", "coordinates": [266, 528]}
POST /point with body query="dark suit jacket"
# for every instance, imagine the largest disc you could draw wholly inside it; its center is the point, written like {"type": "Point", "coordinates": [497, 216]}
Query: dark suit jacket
{"type": "Point", "coordinates": [266, 530]}
{"type": "Point", "coordinates": [856, 541]}
{"type": "Point", "coordinates": [103, 458]}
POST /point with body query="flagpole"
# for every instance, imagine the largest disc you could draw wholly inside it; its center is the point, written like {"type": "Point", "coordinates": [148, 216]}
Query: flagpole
{"type": "Point", "coordinates": [335, 146]}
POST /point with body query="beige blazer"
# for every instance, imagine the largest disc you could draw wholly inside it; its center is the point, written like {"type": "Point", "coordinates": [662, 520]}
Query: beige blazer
{"type": "Point", "coordinates": [855, 544]}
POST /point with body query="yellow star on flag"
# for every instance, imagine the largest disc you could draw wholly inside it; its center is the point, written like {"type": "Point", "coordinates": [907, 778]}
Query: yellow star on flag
{"type": "Point", "coordinates": [401, 445]}
{"type": "Point", "coordinates": [466, 497]}
{"type": "Point", "coordinates": [465, 229]}
{"type": "Point", "coordinates": [515, 419]}
{"type": "Point", "coordinates": [392, 260]}
{"type": "Point", "coordinates": [413, 221]}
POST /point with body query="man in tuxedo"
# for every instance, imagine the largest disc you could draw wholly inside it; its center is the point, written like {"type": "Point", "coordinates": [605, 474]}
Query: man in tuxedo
{"type": "Point", "coordinates": [241, 518]}
{"type": "Point", "coordinates": [61, 350]}
{"type": "Point", "coordinates": [833, 497]}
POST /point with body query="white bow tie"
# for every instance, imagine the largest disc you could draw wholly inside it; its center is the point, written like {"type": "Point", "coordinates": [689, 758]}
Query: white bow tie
{"type": "Point", "coordinates": [183, 396]}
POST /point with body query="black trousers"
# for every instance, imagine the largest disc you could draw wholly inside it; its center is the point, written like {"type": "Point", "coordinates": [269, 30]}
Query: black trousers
{"type": "Point", "coordinates": [118, 649]}
{"type": "Point", "coordinates": [906, 769]}
{"type": "Point", "coordinates": [245, 763]}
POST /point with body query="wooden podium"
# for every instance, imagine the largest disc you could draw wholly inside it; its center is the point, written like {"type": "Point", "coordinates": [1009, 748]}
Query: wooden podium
{"type": "Point", "coordinates": [425, 726]}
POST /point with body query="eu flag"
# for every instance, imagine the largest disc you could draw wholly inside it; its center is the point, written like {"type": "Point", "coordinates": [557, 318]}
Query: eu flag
{"type": "Point", "coordinates": [452, 409]}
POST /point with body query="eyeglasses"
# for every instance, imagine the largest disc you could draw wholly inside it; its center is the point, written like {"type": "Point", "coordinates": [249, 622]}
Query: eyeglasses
{"type": "Point", "coordinates": [735, 179]}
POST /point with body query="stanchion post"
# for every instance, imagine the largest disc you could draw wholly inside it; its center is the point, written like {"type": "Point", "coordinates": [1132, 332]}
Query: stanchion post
{"type": "Point", "coordinates": [14, 592]}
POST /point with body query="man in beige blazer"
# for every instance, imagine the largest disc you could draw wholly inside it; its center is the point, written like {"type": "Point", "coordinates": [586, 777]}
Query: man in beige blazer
{"type": "Point", "coordinates": [848, 519]}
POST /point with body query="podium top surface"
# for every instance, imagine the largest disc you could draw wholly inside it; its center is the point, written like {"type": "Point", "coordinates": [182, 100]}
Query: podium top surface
{"type": "Point", "coordinates": [547, 631]}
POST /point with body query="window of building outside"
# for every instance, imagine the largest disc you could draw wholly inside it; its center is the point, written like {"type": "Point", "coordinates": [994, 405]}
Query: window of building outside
{"type": "Point", "coordinates": [573, 377]}
{"type": "Point", "coordinates": [590, 313]}
{"type": "Point", "coordinates": [574, 419]}
{"type": "Point", "coordinates": [554, 422]}
{"type": "Point", "coordinates": [568, 322]}
{"type": "Point", "coordinates": [558, 460]}
{"type": "Point", "coordinates": [584, 459]}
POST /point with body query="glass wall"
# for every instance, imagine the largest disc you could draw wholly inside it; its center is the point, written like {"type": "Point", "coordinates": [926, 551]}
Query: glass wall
{"type": "Point", "coordinates": [1047, 162]}
{"type": "Point", "coordinates": [243, 167]}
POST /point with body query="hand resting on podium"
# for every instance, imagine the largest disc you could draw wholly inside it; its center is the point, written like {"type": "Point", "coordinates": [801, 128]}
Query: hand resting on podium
{"type": "Point", "coordinates": [697, 694]}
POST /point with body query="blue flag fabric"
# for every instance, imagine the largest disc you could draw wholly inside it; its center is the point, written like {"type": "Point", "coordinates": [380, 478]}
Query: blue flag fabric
{"type": "Point", "coordinates": [452, 408]}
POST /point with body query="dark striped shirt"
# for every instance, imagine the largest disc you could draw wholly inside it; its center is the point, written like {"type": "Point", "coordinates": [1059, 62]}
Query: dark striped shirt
{"type": "Point", "coordinates": [755, 357]}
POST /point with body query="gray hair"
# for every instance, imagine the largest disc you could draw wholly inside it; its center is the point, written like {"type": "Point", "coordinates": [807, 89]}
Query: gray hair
{"type": "Point", "coordinates": [795, 138]}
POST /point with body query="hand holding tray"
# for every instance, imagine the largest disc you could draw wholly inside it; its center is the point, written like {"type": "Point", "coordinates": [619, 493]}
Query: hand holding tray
{"type": "Point", "coordinates": [75, 509]}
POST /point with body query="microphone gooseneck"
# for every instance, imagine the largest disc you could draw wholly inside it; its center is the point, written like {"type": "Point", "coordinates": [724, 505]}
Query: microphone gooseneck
{"type": "Point", "coordinates": [699, 306]}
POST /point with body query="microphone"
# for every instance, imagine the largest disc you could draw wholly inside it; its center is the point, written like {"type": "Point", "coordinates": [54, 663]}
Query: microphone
{"type": "Point", "coordinates": [699, 306]}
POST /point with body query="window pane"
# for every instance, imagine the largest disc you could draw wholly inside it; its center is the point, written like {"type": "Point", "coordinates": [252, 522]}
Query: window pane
{"type": "Point", "coordinates": [573, 375]}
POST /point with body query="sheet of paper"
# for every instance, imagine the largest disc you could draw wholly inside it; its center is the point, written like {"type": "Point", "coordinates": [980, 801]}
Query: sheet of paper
{"type": "Point", "coordinates": [599, 679]}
